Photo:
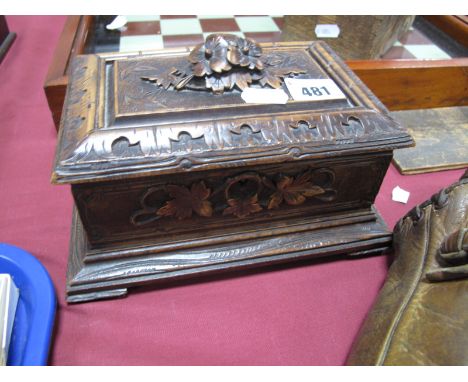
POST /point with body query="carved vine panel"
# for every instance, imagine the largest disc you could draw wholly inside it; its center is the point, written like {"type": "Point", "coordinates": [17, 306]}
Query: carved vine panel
{"type": "Point", "coordinates": [240, 196]}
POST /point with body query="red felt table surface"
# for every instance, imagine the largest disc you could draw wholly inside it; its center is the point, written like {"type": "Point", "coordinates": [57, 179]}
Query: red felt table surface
{"type": "Point", "coordinates": [306, 314]}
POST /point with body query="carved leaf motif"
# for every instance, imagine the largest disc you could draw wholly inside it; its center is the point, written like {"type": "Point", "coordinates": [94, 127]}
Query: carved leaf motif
{"type": "Point", "coordinates": [201, 68]}
{"type": "Point", "coordinates": [228, 81]}
{"type": "Point", "coordinates": [294, 191]}
{"type": "Point", "coordinates": [174, 77]}
{"type": "Point", "coordinates": [241, 80]}
{"type": "Point", "coordinates": [274, 59]}
{"type": "Point", "coordinates": [215, 83]}
{"type": "Point", "coordinates": [165, 79]}
{"type": "Point", "coordinates": [186, 201]}
{"type": "Point", "coordinates": [183, 82]}
{"type": "Point", "coordinates": [242, 207]}
{"type": "Point", "coordinates": [200, 204]}
{"type": "Point", "coordinates": [273, 76]}
{"type": "Point", "coordinates": [275, 200]}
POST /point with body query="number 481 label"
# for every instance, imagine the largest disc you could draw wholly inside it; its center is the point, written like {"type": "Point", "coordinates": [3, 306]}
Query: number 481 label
{"type": "Point", "coordinates": [313, 89]}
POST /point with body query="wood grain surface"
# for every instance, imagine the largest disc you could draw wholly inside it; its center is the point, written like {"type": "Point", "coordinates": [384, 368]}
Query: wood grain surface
{"type": "Point", "coordinates": [441, 137]}
{"type": "Point", "coordinates": [413, 84]}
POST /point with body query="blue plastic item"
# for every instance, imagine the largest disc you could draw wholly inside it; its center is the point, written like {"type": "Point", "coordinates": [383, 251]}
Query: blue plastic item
{"type": "Point", "coordinates": [35, 312]}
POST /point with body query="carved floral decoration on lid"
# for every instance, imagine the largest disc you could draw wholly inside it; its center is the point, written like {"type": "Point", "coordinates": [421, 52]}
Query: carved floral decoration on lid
{"type": "Point", "coordinates": [222, 62]}
{"type": "Point", "coordinates": [220, 53]}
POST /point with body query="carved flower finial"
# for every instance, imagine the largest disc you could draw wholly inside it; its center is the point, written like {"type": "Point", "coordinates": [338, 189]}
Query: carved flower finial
{"type": "Point", "coordinates": [219, 53]}
{"type": "Point", "coordinates": [210, 56]}
{"type": "Point", "coordinates": [245, 52]}
{"type": "Point", "coordinates": [225, 61]}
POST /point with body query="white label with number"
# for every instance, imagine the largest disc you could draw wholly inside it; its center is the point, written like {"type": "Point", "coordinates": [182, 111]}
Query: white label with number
{"type": "Point", "coordinates": [313, 89]}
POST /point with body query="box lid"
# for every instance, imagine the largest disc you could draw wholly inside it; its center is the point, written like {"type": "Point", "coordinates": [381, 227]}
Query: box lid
{"type": "Point", "coordinates": [173, 111]}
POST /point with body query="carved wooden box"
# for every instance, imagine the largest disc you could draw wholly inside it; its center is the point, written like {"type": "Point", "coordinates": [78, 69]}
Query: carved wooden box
{"type": "Point", "coordinates": [174, 175]}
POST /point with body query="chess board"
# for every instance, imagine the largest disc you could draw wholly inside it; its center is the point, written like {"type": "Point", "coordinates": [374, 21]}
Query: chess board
{"type": "Point", "coordinates": [415, 45]}
{"type": "Point", "coordinates": [151, 32]}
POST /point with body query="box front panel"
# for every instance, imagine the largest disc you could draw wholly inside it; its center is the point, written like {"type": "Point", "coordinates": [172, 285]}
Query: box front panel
{"type": "Point", "coordinates": [166, 209]}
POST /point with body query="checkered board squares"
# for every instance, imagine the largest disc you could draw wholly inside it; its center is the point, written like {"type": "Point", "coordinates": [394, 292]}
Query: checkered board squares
{"type": "Point", "coordinates": [415, 45]}
{"type": "Point", "coordinates": [143, 42]}
{"type": "Point", "coordinates": [158, 32]}
{"type": "Point", "coordinates": [176, 27]}
{"type": "Point", "coordinates": [215, 17]}
{"type": "Point", "coordinates": [257, 24]}
{"type": "Point", "coordinates": [429, 52]}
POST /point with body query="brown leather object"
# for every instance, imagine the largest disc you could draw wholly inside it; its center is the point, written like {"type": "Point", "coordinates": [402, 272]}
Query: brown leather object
{"type": "Point", "coordinates": [421, 314]}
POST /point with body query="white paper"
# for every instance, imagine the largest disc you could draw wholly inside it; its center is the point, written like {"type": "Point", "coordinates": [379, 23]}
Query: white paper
{"type": "Point", "coordinates": [118, 23]}
{"type": "Point", "coordinates": [327, 31]}
{"type": "Point", "coordinates": [8, 301]}
{"type": "Point", "coordinates": [264, 96]}
{"type": "Point", "coordinates": [400, 195]}
{"type": "Point", "coordinates": [308, 89]}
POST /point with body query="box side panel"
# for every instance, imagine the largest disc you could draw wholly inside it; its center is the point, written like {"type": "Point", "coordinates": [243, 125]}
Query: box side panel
{"type": "Point", "coordinates": [165, 209]}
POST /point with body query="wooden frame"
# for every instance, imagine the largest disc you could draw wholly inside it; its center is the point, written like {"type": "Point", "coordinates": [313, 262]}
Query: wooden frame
{"type": "Point", "coordinates": [72, 43]}
{"type": "Point", "coordinates": [454, 26]}
{"type": "Point", "coordinates": [416, 84]}
{"type": "Point", "coordinates": [399, 84]}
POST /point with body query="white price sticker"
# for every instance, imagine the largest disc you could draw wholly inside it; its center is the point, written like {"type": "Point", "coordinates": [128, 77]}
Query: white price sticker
{"type": "Point", "coordinates": [400, 195]}
{"type": "Point", "coordinates": [313, 89]}
{"type": "Point", "coordinates": [265, 96]}
{"type": "Point", "coordinates": [327, 31]}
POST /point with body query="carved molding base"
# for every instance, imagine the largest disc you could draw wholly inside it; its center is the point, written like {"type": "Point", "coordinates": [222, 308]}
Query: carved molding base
{"type": "Point", "coordinates": [109, 275]}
